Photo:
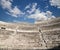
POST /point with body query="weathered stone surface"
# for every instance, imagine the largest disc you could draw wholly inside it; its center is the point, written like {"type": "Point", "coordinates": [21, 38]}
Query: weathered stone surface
{"type": "Point", "coordinates": [41, 35]}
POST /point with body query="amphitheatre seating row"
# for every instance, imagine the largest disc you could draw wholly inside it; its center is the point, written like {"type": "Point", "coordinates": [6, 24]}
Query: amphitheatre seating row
{"type": "Point", "coordinates": [56, 32]}
{"type": "Point", "coordinates": [52, 21]}
{"type": "Point", "coordinates": [29, 39]}
{"type": "Point", "coordinates": [52, 38]}
{"type": "Point", "coordinates": [19, 27]}
{"type": "Point", "coordinates": [4, 34]}
{"type": "Point", "coordinates": [27, 28]}
{"type": "Point", "coordinates": [49, 27]}
{"type": "Point", "coordinates": [25, 39]}
{"type": "Point", "coordinates": [8, 26]}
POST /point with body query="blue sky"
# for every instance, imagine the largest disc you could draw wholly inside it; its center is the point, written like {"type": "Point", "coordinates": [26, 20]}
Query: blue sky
{"type": "Point", "coordinates": [28, 10]}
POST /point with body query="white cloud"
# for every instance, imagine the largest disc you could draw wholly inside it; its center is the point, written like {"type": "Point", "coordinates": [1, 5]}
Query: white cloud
{"type": "Point", "coordinates": [34, 11]}
{"type": "Point", "coordinates": [28, 6]}
{"type": "Point", "coordinates": [38, 15]}
{"type": "Point", "coordinates": [7, 5]}
{"type": "Point", "coordinates": [49, 14]}
{"type": "Point", "coordinates": [55, 3]}
{"type": "Point", "coordinates": [47, 6]}
{"type": "Point", "coordinates": [16, 21]}
{"type": "Point", "coordinates": [15, 12]}
{"type": "Point", "coordinates": [32, 8]}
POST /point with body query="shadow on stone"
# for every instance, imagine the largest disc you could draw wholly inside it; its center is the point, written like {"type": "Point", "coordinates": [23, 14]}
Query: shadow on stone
{"type": "Point", "coordinates": [55, 48]}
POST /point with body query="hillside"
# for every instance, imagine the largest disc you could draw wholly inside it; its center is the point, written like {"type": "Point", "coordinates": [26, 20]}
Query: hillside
{"type": "Point", "coordinates": [41, 35]}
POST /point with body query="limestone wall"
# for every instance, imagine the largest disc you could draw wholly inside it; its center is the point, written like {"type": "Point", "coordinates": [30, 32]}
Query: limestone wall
{"type": "Point", "coordinates": [41, 35]}
{"type": "Point", "coordinates": [51, 32]}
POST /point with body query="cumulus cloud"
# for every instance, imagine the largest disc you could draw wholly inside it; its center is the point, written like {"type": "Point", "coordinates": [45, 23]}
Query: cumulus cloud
{"type": "Point", "coordinates": [15, 12]}
{"type": "Point", "coordinates": [28, 6]}
{"type": "Point", "coordinates": [55, 3]}
{"type": "Point", "coordinates": [7, 5]}
{"type": "Point", "coordinates": [38, 15]}
{"type": "Point", "coordinates": [32, 8]}
{"type": "Point", "coordinates": [49, 14]}
{"type": "Point", "coordinates": [41, 15]}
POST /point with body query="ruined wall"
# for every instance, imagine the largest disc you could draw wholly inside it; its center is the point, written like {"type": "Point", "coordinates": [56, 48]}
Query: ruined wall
{"type": "Point", "coordinates": [41, 35]}
{"type": "Point", "coordinates": [51, 32]}
{"type": "Point", "coordinates": [20, 36]}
